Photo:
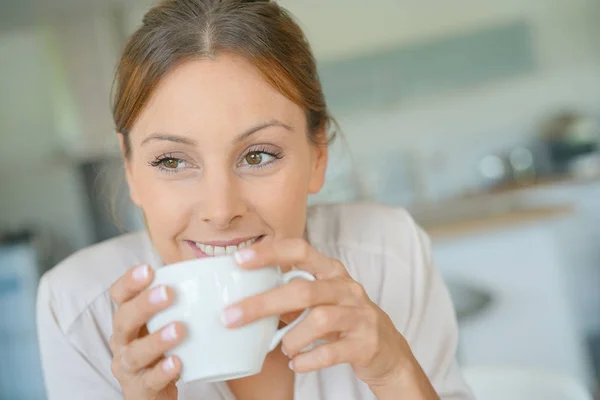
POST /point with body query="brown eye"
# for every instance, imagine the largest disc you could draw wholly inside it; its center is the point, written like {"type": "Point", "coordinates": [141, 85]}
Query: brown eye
{"type": "Point", "coordinates": [170, 163]}
{"type": "Point", "coordinates": [254, 158]}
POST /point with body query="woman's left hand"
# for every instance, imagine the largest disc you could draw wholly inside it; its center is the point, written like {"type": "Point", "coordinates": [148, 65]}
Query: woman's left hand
{"type": "Point", "coordinates": [355, 329]}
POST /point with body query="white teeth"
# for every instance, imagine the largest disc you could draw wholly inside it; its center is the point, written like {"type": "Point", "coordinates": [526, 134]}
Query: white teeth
{"type": "Point", "coordinates": [210, 250]}
{"type": "Point", "coordinates": [231, 250]}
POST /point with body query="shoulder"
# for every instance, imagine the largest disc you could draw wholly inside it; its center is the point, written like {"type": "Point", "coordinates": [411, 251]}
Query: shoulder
{"type": "Point", "coordinates": [75, 283]}
{"type": "Point", "coordinates": [366, 227]}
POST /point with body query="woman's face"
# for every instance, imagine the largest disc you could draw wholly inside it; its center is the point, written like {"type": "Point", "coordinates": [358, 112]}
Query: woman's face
{"type": "Point", "coordinates": [220, 159]}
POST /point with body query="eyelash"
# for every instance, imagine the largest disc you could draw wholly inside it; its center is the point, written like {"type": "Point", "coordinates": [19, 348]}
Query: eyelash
{"type": "Point", "coordinates": [157, 162]}
{"type": "Point", "coordinates": [276, 154]}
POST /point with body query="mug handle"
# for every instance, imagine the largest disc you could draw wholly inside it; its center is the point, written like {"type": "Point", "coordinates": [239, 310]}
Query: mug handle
{"type": "Point", "coordinates": [287, 277]}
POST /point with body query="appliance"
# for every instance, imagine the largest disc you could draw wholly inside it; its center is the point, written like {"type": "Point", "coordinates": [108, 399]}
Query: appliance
{"type": "Point", "coordinates": [570, 136]}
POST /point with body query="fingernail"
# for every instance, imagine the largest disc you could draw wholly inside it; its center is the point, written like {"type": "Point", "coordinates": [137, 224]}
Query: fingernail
{"type": "Point", "coordinates": [169, 333]}
{"type": "Point", "coordinates": [168, 364]}
{"type": "Point", "coordinates": [244, 255]}
{"type": "Point", "coordinates": [158, 295]}
{"type": "Point", "coordinates": [291, 365]}
{"type": "Point", "coordinates": [284, 352]}
{"type": "Point", "coordinates": [141, 273]}
{"type": "Point", "coordinates": [231, 316]}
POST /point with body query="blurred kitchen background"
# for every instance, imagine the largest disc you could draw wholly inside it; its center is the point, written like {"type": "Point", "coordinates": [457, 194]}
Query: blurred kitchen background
{"type": "Point", "coordinates": [481, 117]}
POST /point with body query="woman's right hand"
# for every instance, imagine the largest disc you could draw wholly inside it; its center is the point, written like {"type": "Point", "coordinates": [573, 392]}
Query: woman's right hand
{"type": "Point", "coordinates": [138, 362]}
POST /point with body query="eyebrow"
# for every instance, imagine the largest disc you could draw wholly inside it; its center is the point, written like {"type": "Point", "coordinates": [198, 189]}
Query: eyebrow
{"type": "Point", "coordinates": [170, 138]}
{"type": "Point", "coordinates": [259, 127]}
{"type": "Point", "coordinates": [239, 138]}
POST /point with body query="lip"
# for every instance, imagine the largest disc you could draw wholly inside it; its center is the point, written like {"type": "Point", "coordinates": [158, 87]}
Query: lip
{"type": "Point", "coordinates": [221, 243]}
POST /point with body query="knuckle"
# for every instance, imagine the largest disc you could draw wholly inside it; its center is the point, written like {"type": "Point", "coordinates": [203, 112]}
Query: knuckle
{"type": "Point", "coordinates": [327, 356]}
{"type": "Point", "coordinates": [321, 318]}
{"type": "Point", "coordinates": [305, 292]}
{"type": "Point", "coordinates": [127, 360]}
{"type": "Point", "coordinates": [338, 265]}
{"type": "Point", "coordinates": [303, 249]}
{"type": "Point", "coordinates": [119, 323]}
{"type": "Point", "coordinates": [356, 289]}
{"type": "Point", "coordinates": [369, 319]}
{"type": "Point", "coordinates": [138, 306]}
{"type": "Point", "coordinates": [372, 316]}
{"type": "Point", "coordinates": [371, 347]}
{"type": "Point", "coordinates": [114, 368]}
{"type": "Point", "coordinates": [112, 342]}
{"type": "Point", "coordinates": [117, 327]}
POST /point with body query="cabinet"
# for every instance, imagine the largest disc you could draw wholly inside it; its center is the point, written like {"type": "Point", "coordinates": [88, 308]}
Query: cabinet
{"type": "Point", "coordinates": [578, 241]}
{"type": "Point", "coordinates": [530, 322]}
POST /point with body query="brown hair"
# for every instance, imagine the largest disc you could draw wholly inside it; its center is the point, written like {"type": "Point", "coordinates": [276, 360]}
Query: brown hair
{"type": "Point", "coordinates": [177, 31]}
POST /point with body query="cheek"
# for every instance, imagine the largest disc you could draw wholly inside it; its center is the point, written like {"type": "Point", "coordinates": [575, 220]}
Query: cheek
{"type": "Point", "coordinates": [281, 200]}
{"type": "Point", "coordinates": [167, 207]}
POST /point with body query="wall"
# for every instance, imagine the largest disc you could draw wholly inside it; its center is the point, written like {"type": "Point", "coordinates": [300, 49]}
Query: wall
{"type": "Point", "coordinates": [344, 27]}
{"type": "Point", "coordinates": [433, 132]}
{"type": "Point", "coordinates": [39, 186]}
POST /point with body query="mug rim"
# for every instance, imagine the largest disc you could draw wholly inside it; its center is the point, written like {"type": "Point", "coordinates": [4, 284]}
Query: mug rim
{"type": "Point", "coordinates": [209, 262]}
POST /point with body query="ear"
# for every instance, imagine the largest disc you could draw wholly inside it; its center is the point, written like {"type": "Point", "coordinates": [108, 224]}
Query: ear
{"type": "Point", "coordinates": [127, 166]}
{"type": "Point", "coordinates": [319, 163]}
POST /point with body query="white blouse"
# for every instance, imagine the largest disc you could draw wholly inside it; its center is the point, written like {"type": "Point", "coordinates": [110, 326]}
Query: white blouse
{"type": "Point", "coordinates": [381, 247]}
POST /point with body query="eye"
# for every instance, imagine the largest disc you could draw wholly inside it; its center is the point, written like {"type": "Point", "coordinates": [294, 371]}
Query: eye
{"type": "Point", "coordinates": [172, 163]}
{"type": "Point", "coordinates": [169, 164]}
{"type": "Point", "coordinates": [255, 157]}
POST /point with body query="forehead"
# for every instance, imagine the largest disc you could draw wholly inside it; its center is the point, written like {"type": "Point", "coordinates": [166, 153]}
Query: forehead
{"type": "Point", "coordinates": [223, 94]}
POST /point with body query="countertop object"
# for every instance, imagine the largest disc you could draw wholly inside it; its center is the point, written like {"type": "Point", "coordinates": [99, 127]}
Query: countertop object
{"type": "Point", "coordinates": [481, 223]}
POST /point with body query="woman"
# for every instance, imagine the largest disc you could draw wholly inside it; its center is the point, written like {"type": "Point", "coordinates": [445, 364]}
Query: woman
{"type": "Point", "coordinates": [224, 129]}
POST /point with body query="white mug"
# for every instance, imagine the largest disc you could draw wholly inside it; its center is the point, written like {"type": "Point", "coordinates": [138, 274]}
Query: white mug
{"type": "Point", "coordinates": [203, 288]}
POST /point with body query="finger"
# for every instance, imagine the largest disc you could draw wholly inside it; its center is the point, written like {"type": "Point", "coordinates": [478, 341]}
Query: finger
{"type": "Point", "coordinates": [294, 296]}
{"type": "Point", "coordinates": [290, 252]}
{"type": "Point", "coordinates": [288, 318]}
{"type": "Point", "coordinates": [325, 356]}
{"type": "Point", "coordinates": [134, 314]}
{"type": "Point", "coordinates": [144, 352]}
{"type": "Point", "coordinates": [320, 323]}
{"type": "Point", "coordinates": [161, 375]}
{"type": "Point", "coordinates": [129, 285]}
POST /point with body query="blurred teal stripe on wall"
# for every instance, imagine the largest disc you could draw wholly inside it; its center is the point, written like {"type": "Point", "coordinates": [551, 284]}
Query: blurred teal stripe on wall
{"type": "Point", "coordinates": [436, 66]}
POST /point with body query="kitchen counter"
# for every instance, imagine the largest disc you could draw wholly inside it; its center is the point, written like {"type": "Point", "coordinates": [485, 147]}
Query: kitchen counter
{"type": "Point", "coordinates": [541, 182]}
{"type": "Point", "coordinates": [484, 222]}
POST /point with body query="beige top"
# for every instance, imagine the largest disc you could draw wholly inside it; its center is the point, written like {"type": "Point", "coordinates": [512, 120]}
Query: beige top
{"type": "Point", "coordinates": [382, 248]}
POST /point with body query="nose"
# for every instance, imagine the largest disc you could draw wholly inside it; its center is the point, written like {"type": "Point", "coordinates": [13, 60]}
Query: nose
{"type": "Point", "coordinates": [222, 201]}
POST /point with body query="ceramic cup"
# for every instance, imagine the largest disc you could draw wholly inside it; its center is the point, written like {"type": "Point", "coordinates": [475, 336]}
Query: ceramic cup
{"type": "Point", "coordinates": [203, 288]}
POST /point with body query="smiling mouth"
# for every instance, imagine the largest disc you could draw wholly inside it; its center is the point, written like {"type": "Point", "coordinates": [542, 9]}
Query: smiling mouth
{"type": "Point", "coordinates": [222, 248]}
